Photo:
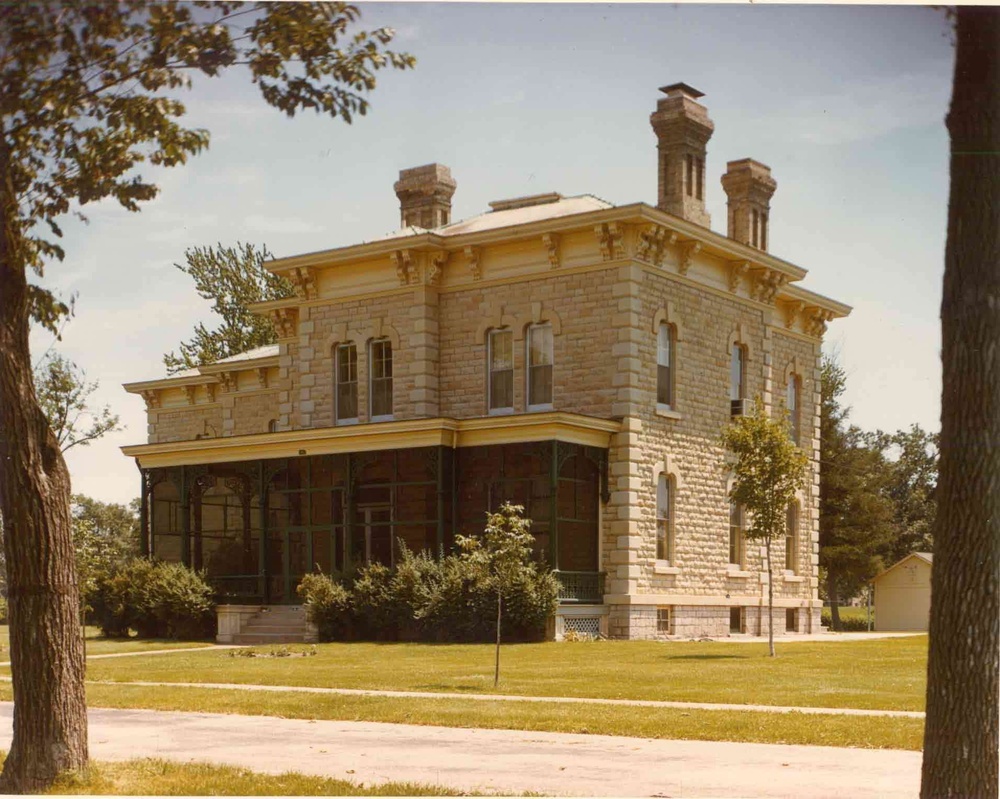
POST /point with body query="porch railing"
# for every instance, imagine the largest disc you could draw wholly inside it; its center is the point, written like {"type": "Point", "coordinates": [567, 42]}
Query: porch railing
{"type": "Point", "coordinates": [581, 587]}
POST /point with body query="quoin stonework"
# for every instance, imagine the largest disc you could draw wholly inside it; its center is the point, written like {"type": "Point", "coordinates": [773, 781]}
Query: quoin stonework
{"type": "Point", "coordinates": [568, 355]}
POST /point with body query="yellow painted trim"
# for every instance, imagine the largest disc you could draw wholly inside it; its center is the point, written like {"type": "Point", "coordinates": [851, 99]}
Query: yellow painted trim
{"type": "Point", "coordinates": [798, 335]}
{"type": "Point", "coordinates": [265, 362]}
{"type": "Point", "coordinates": [407, 434]}
{"type": "Point", "coordinates": [473, 285]}
{"type": "Point", "coordinates": [691, 282]}
{"type": "Point", "coordinates": [198, 406]}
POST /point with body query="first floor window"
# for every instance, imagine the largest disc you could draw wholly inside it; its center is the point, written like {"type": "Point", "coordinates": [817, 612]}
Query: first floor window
{"type": "Point", "coordinates": [664, 620]}
{"type": "Point", "coordinates": [665, 366]}
{"type": "Point", "coordinates": [664, 519]}
{"type": "Point", "coordinates": [501, 374]}
{"type": "Point", "coordinates": [736, 527]}
{"type": "Point", "coordinates": [346, 371]}
{"type": "Point", "coordinates": [381, 379]}
{"type": "Point", "coordinates": [539, 366]}
{"type": "Point", "coordinates": [791, 537]}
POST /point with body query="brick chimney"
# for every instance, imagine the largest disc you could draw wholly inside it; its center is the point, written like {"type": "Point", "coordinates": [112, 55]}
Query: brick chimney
{"type": "Point", "coordinates": [682, 130]}
{"type": "Point", "coordinates": [748, 185]}
{"type": "Point", "coordinates": [424, 194]}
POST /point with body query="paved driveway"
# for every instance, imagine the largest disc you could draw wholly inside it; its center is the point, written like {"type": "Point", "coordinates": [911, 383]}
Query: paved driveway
{"type": "Point", "coordinates": [553, 763]}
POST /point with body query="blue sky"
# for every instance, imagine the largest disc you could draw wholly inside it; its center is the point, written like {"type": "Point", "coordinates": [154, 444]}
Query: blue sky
{"type": "Point", "coordinates": [844, 103]}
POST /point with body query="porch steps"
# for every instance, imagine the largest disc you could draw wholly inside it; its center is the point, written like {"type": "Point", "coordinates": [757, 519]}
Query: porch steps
{"type": "Point", "coordinates": [277, 624]}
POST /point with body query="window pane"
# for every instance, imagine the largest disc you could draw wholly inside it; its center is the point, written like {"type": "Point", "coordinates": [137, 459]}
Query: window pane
{"type": "Point", "coordinates": [347, 382]}
{"type": "Point", "coordinates": [735, 534]}
{"type": "Point", "coordinates": [663, 393]}
{"type": "Point", "coordinates": [501, 369]}
{"type": "Point", "coordinates": [540, 385]}
{"type": "Point", "coordinates": [664, 363]}
{"type": "Point", "coordinates": [540, 351]}
{"type": "Point", "coordinates": [381, 378]}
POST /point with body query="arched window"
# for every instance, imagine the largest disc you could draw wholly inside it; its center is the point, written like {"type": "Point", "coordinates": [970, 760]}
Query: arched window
{"type": "Point", "coordinates": [540, 367]}
{"type": "Point", "coordinates": [792, 538]}
{"type": "Point", "coordinates": [737, 379]}
{"type": "Point", "coordinates": [346, 383]}
{"type": "Point", "coordinates": [380, 379]}
{"type": "Point", "coordinates": [272, 426]}
{"type": "Point", "coordinates": [500, 358]}
{"type": "Point", "coordinates": [665, 366]}
{"type": "Point", "coordinates": [737, 549]}
{"type": "Point", "coordinates": [665, 519]}
{"type": "Point", "coordinates": [792, 404]}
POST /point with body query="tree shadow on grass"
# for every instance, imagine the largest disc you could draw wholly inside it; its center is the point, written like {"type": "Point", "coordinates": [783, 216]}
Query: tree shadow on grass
{"type": "Point", "coordinates": [706, 657]}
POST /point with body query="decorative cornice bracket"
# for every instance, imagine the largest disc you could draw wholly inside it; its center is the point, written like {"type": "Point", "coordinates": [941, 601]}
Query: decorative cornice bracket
{"type": "Point", "coordinates": [435, 267]}
{"type": "Point", "coordinates": [551, 243]}
{"type": "Point", "coordinates": [286, 321]}
{"type": "Point", "coordinates": [402, 260]}
{"type": "Point", "coordinates": [737, 269]}
{"type": "Point", "coordinates": [474, 256]}
{"type": "Point", "coordinates": [303, 278]}
{"type": "Point", "coordinates": [688, 250]}
{"type": "Point", "coordinates": [611, 239]}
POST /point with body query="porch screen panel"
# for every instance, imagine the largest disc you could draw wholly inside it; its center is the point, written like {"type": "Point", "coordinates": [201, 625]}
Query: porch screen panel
{"type": "Point", "coordinates": [165, 520]}
{"type": "Point", "coordinates": [577, 505]}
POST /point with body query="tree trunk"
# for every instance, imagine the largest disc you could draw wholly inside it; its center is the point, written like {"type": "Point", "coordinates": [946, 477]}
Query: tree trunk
{"type": "Point", "coordinates": [496, 672]}
{"type": "Point", "coordinates": [770, 599]}
{"type": "Point", "coordinates": [961, 736]}
{"type": "Point", "coordinates": [831, 594]}
{"type": "Point", "coordinates": [46, 648]}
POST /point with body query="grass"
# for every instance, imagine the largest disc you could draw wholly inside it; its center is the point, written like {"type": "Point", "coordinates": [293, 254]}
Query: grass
{"type": "Point", "coordinates": [98, 645]}
{"type": "Point", "coordinates": [884, 674]}
{"type": "Point", "coordinates": [869, 732]}
{"type": "Point", "coordinates": [149, 777]}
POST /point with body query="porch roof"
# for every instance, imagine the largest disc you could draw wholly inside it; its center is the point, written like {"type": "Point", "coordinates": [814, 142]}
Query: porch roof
{"type": "Point", "coordinates": [410, 433]}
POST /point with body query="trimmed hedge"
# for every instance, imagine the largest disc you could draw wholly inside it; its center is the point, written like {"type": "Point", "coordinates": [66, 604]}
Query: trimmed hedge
{"type": "Point", "coordinates": [156, 599]}
{"type": "Point", "coordinates": [423, 599]}
{"type": "Point", "coordinates": [850, 621]}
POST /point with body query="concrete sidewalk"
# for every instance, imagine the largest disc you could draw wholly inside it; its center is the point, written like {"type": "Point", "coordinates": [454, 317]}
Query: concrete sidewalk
{"type": "Point", "coordinates": [505, 760]}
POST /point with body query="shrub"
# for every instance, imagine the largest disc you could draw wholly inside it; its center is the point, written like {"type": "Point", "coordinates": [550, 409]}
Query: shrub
{"type": "Point", "coordinates": [328, 606]}
{"type": "Point", "coordinates": [157, 600]}
{"type": "Point", "coordinates": [850, 620]}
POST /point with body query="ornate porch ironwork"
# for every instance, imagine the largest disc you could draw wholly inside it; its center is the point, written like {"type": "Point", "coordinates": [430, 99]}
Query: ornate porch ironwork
{"type": "Point", "coordinates": [584, 588]}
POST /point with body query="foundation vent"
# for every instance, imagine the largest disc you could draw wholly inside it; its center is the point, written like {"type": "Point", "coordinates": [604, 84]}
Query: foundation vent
{"type": "Point", "coordinates": [588, 626]}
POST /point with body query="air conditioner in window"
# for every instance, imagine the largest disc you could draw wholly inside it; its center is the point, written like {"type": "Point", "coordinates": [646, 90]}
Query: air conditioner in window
{"type": "Point", "coordinates": [739, 407]}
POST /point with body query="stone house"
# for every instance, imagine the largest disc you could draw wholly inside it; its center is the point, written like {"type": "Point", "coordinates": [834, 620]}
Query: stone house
{"type": "Point", "coordinates": [572, 356]}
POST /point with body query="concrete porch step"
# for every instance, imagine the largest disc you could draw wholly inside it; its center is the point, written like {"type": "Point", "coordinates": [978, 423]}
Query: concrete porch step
{"type": "Point", "coordinates": [272, 638]}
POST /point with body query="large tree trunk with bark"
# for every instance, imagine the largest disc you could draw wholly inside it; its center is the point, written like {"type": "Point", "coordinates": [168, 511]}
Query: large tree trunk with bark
{"type": "Point", "coordinates": [46, 647]}
{"type": "Point", "coordinates": [961, 739]}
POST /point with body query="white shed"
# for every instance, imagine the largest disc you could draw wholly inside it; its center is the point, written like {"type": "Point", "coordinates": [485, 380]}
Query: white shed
{"type": "Point", "coordinates": [903, 594]}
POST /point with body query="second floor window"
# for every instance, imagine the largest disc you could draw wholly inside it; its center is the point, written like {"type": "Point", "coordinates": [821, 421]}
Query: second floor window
{"type": "Point", "coordinates": [346, 370]}
{"type": "Point", "coordinates": [380, 379]}
{"type": "Point", "coordinates": [539, 367]}
{"type": "Point", "coordinates": [736, 526]}
{"type": "Point", "coordinates": [665, 366]}
{"type": "Point", "coordinates": [792, 405]}
{"type": "Point", "coordinates": [501, 371]}
{"type": "Point", "coordinates": [737, 379]}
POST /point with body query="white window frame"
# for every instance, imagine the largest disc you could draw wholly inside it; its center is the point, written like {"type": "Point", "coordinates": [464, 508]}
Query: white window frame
{"type": "Point", "coordinates": [739, 512]}
{"type": "Point", "coordinates": [741, 388]}
{"type": "Point", "coordinates": [507, 409]}
{"type": "Point", "coordinates": [665, 619]}
{"type": "Point", "coordinates": [344, 345]}
{"type": "Point", "coordinates": [529, 366]}
{"type": "Point", "coordinates": [793, 404]}
{"type": "Point", "coordinates": [792, 538]}
{"type": "Point", "coordinates": [372, 416]}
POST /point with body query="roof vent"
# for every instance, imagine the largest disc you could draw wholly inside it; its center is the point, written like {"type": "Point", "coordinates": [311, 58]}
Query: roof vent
{"type": "Point", "coordinates": [525, 202]}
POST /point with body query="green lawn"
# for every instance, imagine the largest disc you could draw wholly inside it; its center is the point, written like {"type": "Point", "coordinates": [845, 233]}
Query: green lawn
{"type": "Point", "coordinates": [98, 645]}
{"type": "Point", "coordinates": [880, 674]}
{"type": "Point", "coordinates": [149, 777]}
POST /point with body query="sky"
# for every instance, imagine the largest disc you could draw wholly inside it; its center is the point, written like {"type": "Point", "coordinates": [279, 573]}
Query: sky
{"type": "Point", "coordinates": [846, 104]}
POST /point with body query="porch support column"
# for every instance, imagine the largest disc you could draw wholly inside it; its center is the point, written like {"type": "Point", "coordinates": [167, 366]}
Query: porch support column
{"type": "Point", "coordinates": [185, 520]}
{"type": "Point", "coordinates": [440, 502]}
{"type": "Point", "coordinates": [144, 544]}
{"type": "Point", "coordinates": [349, 513]}
{"type": "Point", "coordinates": [262, 580]}
{"type": "Point", "coordinates": [554, 505]}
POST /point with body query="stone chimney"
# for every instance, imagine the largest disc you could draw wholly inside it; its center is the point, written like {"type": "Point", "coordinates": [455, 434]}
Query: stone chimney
{"type": "Point", "coordinates": [424, 194]}
{"type": "Point", "coordinates": [682, 130]}
{"type": "Point", "coordinates": [748, 185]}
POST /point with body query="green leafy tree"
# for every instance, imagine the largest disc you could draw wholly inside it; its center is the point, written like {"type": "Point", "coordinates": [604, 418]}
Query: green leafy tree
{"type": "Point", "coordinates": [962, 733]}
{"type": "Point", "coordinates": [856, 514]}
{"type": "Point", "coordinates": [233, 278]}
{"type": "Point", "coordinates": [912, 461]}
{"type": "Point", "coordinates": [767, 471]}
{"type": "Point", "coordinates": [503, 552]}
{"type": "Point", "coordinates": [88, 95]}
{"type": "Point", "coordinates": [64, 395]}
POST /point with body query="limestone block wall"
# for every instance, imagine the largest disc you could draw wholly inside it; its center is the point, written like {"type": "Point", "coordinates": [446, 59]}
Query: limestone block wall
{"type": "Point", "coordinates": [580, 308]}
{"type": "Point", "coordinates": [254, 412]}
{"type": "Point", "coordinates": [185, 423]}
